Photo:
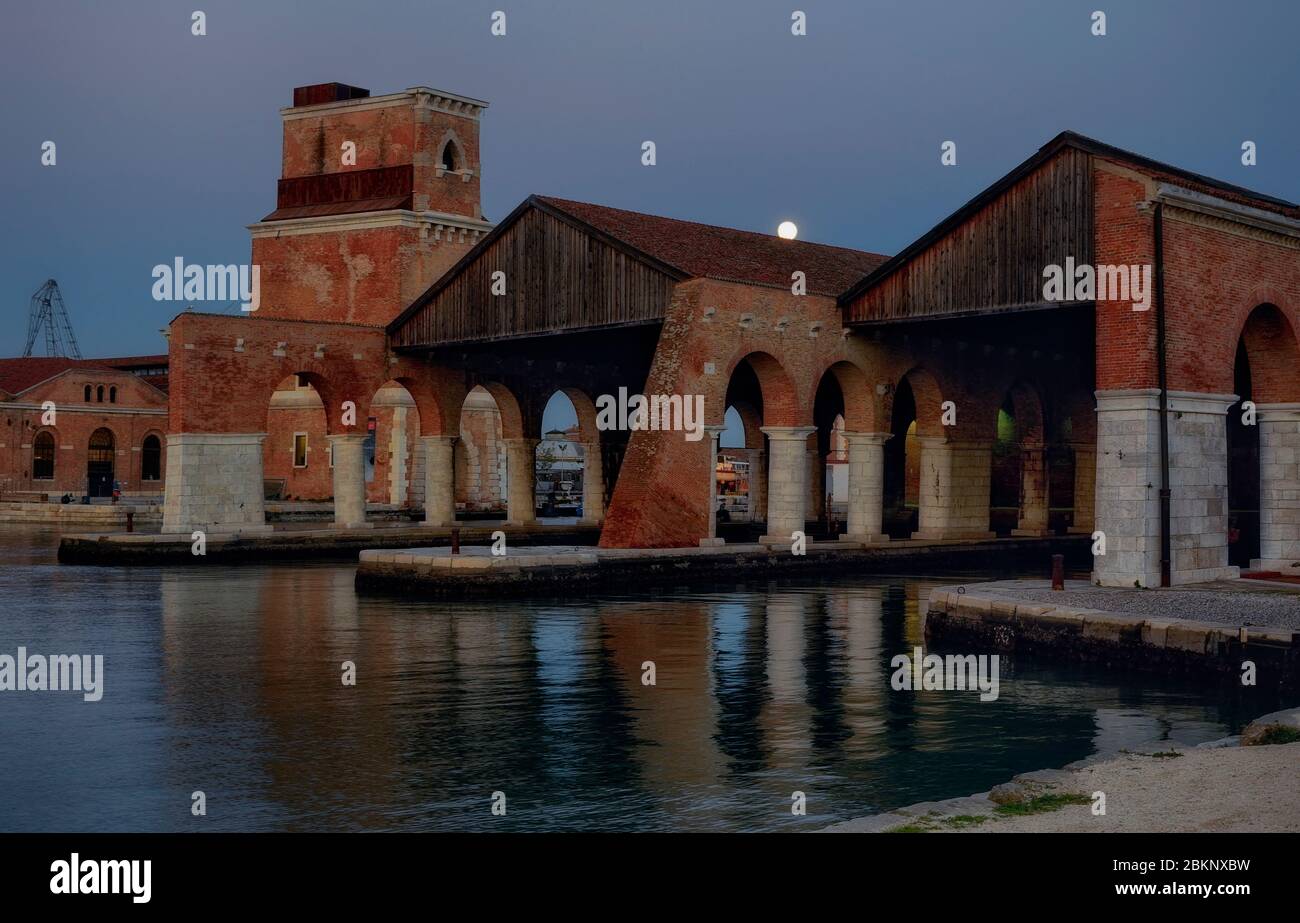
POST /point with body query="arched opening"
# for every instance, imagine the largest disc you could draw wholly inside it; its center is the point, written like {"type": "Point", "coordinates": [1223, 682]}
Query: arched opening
{"type": "Point", "coordinates": [740, 456]}
{"type": "Point", "coordinates": [86, 391]}
{"type": "Point", "coordinates": [112, 395]}
{"type": "Point", "coordinates": [1018, 475]}
{"type": "Point", "coordinates": [1243, 469]}
{"type": "Point", "coordinates": [828, 410]}
{"type": "Point", "coordinates": [1005, 475]}
{"type": "Point", "coordinates": [99, 463]}
{"type": "Point", "coordinates": [450, 157]}
{"type": "Point", "coordinates": [99, 394]}
{"type": "Point", "coordinates": [296, 462]}
{"type": "Point", "coordinates": [1263, 443]}
{"type": "Point", "coordinates": [151, 459]}
{"type": "Point", "coordinates": [902, 466]}
{"type": "Point", "coordinates": [43, 456]}
{"type": "Point", "coordinates": [762, 396]}
{"type": "Point", "coordinates": [393, 453]}
{"type": "Point", "coordinates": [480, 454]}
{"type": "Point", "coordinates": [560, 465]}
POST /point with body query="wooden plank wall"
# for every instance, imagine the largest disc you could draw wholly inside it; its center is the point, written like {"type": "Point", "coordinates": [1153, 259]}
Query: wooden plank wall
{"type": "Point", "coordinates": [995, 259]}
{"type": "Point", "coordinates": [558, 278]}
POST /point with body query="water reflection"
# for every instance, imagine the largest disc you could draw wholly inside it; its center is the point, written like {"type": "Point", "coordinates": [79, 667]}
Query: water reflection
{"type": "Point", "coordinates": [228, 680]}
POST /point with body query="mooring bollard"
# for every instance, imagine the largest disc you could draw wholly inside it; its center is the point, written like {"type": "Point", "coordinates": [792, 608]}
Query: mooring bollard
{"type": "Point", "coordinates": [130, 521]}
{"type": "Point", "coordinates": [455, 540]}
{"type": "Point", "coordinates": [1058, 572]}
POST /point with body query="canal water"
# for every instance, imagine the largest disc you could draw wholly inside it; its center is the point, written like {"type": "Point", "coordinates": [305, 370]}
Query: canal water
{"type": "Point", "coordinates": [227, 680]}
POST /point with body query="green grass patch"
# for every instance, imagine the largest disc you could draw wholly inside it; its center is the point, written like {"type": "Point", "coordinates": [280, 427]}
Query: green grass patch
{"type": "Point", "coordinates": [1279, 734]}
{"type": "Point", "coordinates": [965, 821]}
{"type": "Point", "coordinates": [1166, 754]}
{"type": "Point", "coordinates": [1040, 804]}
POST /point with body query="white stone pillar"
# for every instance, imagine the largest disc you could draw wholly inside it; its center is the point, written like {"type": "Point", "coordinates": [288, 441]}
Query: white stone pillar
{"type": "Point", "coordinates": [593, 484]}
{"type": "Point", "coordinates": [955, 479]}
{"type": "Point", "coordinates": [1033, 492]}
{"type": "Point", "coordinates": [521, 473]}
{"type": "Point", "coordinates": [214, 483]}
{"type": "Point", "coordinates": [866, 487]}
{"type": "Point", "coordinates": [1128, 487]}
{"type": "Point", "coordinates": [1279, 488]}
{"type": "Point", "coordinates": [713, 435]}
{"type": "Point", "coordinates": [349, 480]}
{"type": "Point", "coordinates": [757, 485]}
{"type": "Point", "coordinates": [787, 488]}
{"type": "Point", "coordinates": [439, 480]}
{"type": "Point", "coordinates": [816, 480]}
{"type": "Point", "coordinates": [1085, 488]}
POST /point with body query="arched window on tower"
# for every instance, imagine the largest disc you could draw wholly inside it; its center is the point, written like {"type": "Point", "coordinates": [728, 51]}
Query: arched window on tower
{"type": "Point", "coordinates": [99, 394]}
{"type": "Point", "coordinates": [112, 395]}
{"type": "Point", "coordinates": [450, 157]}
{"type": "Point", "coordinates": [87, 392]}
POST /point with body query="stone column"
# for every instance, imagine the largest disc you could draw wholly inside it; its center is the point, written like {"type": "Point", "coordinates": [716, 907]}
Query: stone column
{"type": "Point", "coordinates": [816, 484]}
{"type": "Point", "coordinates": [1128, 487]}
{"type": "Point", "coordinates": [593, 484]}
{"type": "Point", "coordinates": [787, 488]}
{"type": "Point", "coordinates": [214, 483]}
{"type": "Point", "coordinates": [866, 487]}
{"type": "Point", "coordinates": [397, 473]}
{"type": "Point", "coordinates": [757, 485]}
{"type": "Point", "coordinates": [1085, 488]}
{"type": "Point", "coordinates": [955, 478]}
{"type": "Point", "coordinates": [1279, 488]}
{"type": "Point", "coordinates": [1033, 491]}
{"type": "Point", "coordinates": [439, 480]}
{"type": "Point", "coordinates": [713, 434]}
{"type": "Point", "coordinates": [349, 480]}
{"type": "Point", "coordinates": [521, 473]}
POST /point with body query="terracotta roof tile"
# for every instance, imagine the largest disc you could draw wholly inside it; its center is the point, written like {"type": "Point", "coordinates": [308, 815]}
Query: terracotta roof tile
{"type": "Point", "coordinates": [17, 375]}
{"type": "Point", "coordinates": [708, 251]}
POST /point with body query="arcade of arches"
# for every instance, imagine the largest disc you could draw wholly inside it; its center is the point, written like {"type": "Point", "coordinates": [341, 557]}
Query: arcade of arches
{"type": "Point", "coordinates": [934, 395]}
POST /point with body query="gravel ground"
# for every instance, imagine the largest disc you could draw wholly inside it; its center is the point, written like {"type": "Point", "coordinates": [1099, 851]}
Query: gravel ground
{"type": "Point", "coordinates": [1224, 604]}
{"type": "Point", "coordinates": [1222, 790]}
{"type": "Point", "coordinates": [1219, 789]}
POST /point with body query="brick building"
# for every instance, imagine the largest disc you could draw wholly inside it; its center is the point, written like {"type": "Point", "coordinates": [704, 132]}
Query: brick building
{"type": "Point", "coordinates": [972, 401]}
{"type": "Point", "coordinates": [81, 426]}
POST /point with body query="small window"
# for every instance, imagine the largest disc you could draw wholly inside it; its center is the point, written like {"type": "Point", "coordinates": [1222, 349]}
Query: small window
{"type": "Point", "coordinates": [99, 394]}
{"type": "Point", "coordinates": [300, 450]}
{"type": "Point", "coordinates": [449, 157]}
{"type": "Point", "coordinates": [43, 457]}
{"type": "Point", "coordinates": [151, 459]}
{"type": "Point", "coordinates": [112, 395]}
{"type": "Point", "coordinates": [87, 394]}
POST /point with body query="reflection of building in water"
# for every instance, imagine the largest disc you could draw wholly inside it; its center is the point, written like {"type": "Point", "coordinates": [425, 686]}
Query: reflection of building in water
{"type": "Point", "coordinates": [786, 713]}
{"type": "Point", "coordinates": [674, 721]}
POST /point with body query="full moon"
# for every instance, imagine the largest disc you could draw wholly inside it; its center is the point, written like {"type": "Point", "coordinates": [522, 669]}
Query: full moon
{"type": "Point", "coordinates": [787, 230]}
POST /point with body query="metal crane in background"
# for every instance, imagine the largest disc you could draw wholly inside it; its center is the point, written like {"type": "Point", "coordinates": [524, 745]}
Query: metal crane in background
{"type": "Point", "coordinates": [47, 310]}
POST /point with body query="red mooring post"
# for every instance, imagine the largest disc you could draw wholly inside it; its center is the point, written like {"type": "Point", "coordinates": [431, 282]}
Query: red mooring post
{"type": "Point", "coordinates": [1058, 572]}
{"type": "Point", "coordinates": [130, 521]}
{"type": "Point", "coordinates": [455, 540]}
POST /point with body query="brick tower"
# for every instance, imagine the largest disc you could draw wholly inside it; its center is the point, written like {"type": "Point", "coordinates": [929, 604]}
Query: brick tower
{"type": "Point", "coordinates": [378, 196]}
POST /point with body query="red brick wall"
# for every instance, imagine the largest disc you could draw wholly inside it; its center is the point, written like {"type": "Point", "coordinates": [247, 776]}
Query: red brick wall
{"type": "Point", "coordinates": [75, 421]}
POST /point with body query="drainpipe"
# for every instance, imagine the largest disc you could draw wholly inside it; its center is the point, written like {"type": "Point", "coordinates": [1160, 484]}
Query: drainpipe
{"type": "Point", "coordinates": [1162, 380]}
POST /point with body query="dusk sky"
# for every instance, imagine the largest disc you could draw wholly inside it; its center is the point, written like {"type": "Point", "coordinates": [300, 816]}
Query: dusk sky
{"type": "Point", "coordinates": [169, 144]}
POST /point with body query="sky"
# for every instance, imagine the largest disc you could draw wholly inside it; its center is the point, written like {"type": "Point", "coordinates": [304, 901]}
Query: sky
{"type": "Point", "coordinates": [168, 144]}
